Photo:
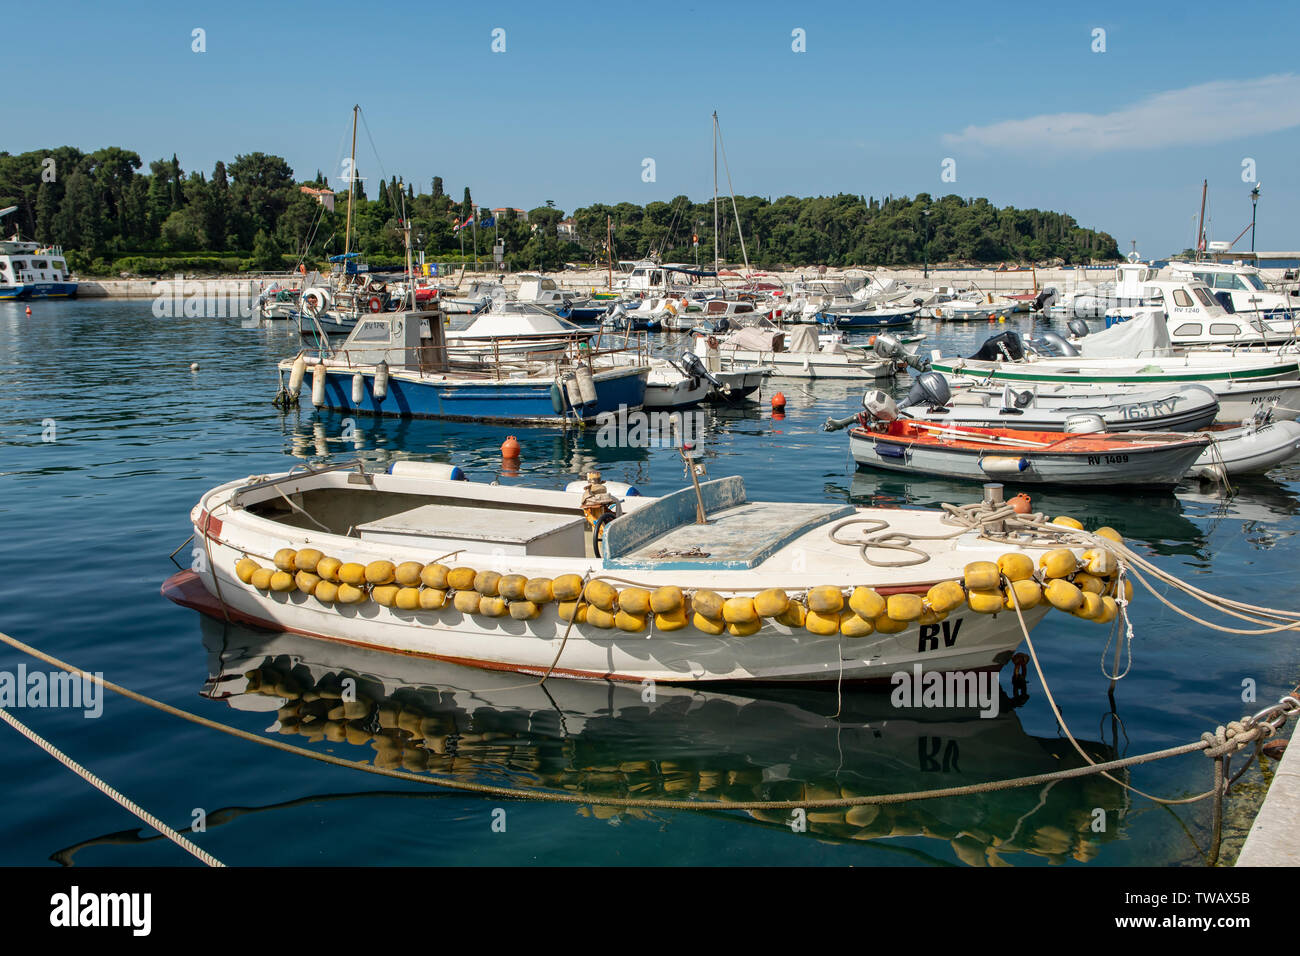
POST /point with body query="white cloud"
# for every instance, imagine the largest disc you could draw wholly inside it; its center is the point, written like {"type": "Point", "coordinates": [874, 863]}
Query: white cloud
{"type": "Point", "coordinates": [1208, 113]}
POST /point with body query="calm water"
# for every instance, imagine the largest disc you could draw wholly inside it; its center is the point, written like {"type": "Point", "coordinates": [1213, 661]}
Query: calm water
{"type": "Point", "coordinates": [87, 522]}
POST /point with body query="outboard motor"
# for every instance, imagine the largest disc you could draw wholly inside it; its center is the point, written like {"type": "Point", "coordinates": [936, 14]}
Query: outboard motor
{"type": "Point", "coordinates": [888, 347]}
{"type": "Point", "coordinates": [1045, 299]}
{"type": "Point", "coordinates": [692, 366]}
{"type": "Point", "coordinates": [1005, 345]}
{"type": "Point", "coordinates": [929, 389]}
{"type": "Point", "coordinates": [1014, 399]}
{"type": "Point", "coordinates": [1078, 328]}
{"type": "Point", "coordinates": [1085, 424]}
{"type": "Point", "coordinates": [880, 406]}
{"type": "Point", "coordinates": [1061, 345]}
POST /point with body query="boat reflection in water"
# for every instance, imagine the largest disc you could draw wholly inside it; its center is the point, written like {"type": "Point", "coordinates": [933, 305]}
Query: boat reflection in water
{"type": "Point", "coordinates": [606, 740]}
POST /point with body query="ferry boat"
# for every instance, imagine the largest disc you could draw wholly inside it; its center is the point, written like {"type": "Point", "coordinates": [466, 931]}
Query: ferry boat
{"type": "Point", "coordinates": [31, 271]}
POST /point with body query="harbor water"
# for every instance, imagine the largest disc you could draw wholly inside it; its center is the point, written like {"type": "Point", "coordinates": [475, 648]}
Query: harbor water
{"type": "Point", "coordinates": [107, 439]}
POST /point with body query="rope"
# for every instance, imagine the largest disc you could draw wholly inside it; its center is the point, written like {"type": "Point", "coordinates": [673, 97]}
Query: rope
{"type": "Point", "coordinates": [94, 781]}
{"type": "Point", "coordinates": [514, 793]}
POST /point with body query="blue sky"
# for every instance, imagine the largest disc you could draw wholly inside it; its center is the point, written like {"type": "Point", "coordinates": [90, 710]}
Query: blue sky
{"type": "Point", "coordinates": [584, 92]}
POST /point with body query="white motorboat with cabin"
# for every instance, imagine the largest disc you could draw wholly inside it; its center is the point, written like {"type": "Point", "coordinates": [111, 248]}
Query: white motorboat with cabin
{"type": "Point", "coordinates": [29, 270]}
{"type": "Point", "coordinates": [1239, 285]}
{"type": "Point", "coordinates": [515, 330]}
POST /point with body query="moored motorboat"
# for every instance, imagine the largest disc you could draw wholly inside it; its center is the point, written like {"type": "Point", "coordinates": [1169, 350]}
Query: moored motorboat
{"type": "Point", "coordinates": [887, 441]}
{"type": "Point", "coordinates": [699, 585]}
{"type": "Point", "coordinates": [806, 356]}
{"type": "Point", "coordinates": [1251, 448]}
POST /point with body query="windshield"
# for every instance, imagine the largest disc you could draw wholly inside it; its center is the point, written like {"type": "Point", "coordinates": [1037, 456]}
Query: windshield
{"type": "Point", "coordinates": [1255, 283]}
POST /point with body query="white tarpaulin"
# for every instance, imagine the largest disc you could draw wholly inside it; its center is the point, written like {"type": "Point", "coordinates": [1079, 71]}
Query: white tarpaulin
{"type": "Point", "coordinates": [803, 338]}
{"type": "Point", "coordinates": [1146, 334]}
{"type": "Point", "coordinates": [756, 340]}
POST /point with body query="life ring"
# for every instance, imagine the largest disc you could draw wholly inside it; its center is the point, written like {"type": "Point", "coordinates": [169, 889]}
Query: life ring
{"type": "Point", "coordinates": [375, 304]}
{"type": "Point", "coordinates": [713, 342]}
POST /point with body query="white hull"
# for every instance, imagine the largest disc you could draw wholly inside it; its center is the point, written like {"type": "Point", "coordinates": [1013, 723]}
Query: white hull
{"type": "Point", "coordinates": [1249, 450]}
{"type": "Point", "coordinates": [811, 364]}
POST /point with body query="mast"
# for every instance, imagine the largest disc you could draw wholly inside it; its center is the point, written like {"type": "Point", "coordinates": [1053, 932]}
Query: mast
{"type": "Point", "coordinates": [352, 182]}
{"type": "Point", "coordinates": [1200, 226]}
{"type": "Point", "coordinates": [715, 194]}
{"type": "Point", "coordinates": [609, 247]}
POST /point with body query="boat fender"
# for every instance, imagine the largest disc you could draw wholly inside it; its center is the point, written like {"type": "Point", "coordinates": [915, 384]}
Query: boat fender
{"type": "Point", "coordinates": [349, 594]}
{"type": "Point", "coordinates": [601, 595]}
{"type": "Point", "coordinates": [1109, 609]}
{"type": "Point", "coordinates": [707, 624]}
{"type": "Point", "coordinates": [600, 617]}
{"type": "Point", "coordinates": [306, 559]}
{"type": "Point", "coordinates": [853, 624]}
{"type": "Point", "coordinates": [427, 469]}
{"type": "Point", "coordinates": [1099, 562]}
{"type": "Point", "coordinates": [667, 600]}
{"type": "Point", "coordinates": [945, 596]}
{"type": "Point", "coordinates": [887, 625]}
{"type": "Point", "coordinates": [1016, 566]}
{"type": "Point", "coordinates": [567, 587]}
{"type": "Point", "coordinates": [982, 576]}
{"type": "Point", "coordinates": [1063, 595]}
{"type": "Point", "coordinates": [867, 603]}
{"type": "Point", "coordinates": [823, 622]}
{"type": "Point", "coordinates": [407, 574]}
{"type": "Point", "coordinates": [1091, 609]}
{"type": "Point", "coordinates": [1003, 465]}
{"type": "Point", "coordinates": [1089, 583]}
{"type": "Point", "coordinates": [244, 569]}
{"type": "Point", "coordinates": [524, 610]}
{"type": "Point", "coordinates": [1110, 534]}
{"type": "Point", "coordinates": [986, 601]}
{"type": "Point", "coordinates": [485, 583]}
{"type": "Point", "coordinates": [261, 578]}
{"type": "Point", "coordinates": [284, 559]}
{"type": "Point", "coordinates": [1028, 592]}
{"type": "Point", "coordinates": [904, 607]}
{"type": "Point", "coordinates": [1058, 563]}
{"type": "Point", "coordinates": [557, 398]}
{"type": "Point", "coordinates": [1065, 521]}
{"type": "Point", "coordinates": [586, 384]}
{"type": "Point", "coordinates": [572, 391]}
{"type": "Point", "coordinates": [431, 599]}
{"type": "Point", "coordinates": [490, 605]}
{"type": "Point", "coordinates": [538, 590]}
{"type": "Point", "coordinates": [385, 595]}
{"type": "Point", "coordinates": [327, 592]}
{"type": "Point", "coordinates": [627, 621]}
{"type": "Point", "coordinates": [282, 581]}
{"type": "Point", "coordinates": [461, 579]}
{"type": "Point", "coordinates": [358, 388]}
{"type": "Point", "coordinates": [408, 599]}
{"type": "Point", "coordinates": [826, 600]}
{"type": "Point", "coordinates": [929, 615]}
{"type": "Point", "coordinates": [739, 610]}
{"type": "Point", "coordinates": [380, 572]}
{"type": "Point", "coordinates": [794, 616]}
{"type": "Point", "coordinates": [569, 610]}
{"type": "Point", "coordinates": [771, 603]}
{"type": "Point", "coordinates": [306, 581]}
{"type": "Point", "coordinates": [708, 604]}
{"type": "Point", "coordinates": [380, 390]}
{"type": "Point", "coordinates": [673, 620]}
{"type": "Point", "coordinates": [744, 628]}
{"type": "Point", "coordinates": [318, 385]}
{"type": "Point", "coordinates": [511, 587]}
{"type": "Point", "coordinates": [296, 376]}
{"type": "Point", "coordinates": [467, 601]}
{"type": "Point", "coordinates": [435, 576]}
{"type": "Point", "coordinates": [634, 601]}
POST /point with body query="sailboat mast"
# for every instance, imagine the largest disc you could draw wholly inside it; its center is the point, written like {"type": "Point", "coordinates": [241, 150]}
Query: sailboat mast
{"type": "Point", "coordinates": [352, 182]}
{"type": "Point", "coordinates": [715, 194]}
{"type": "Point", "coordinates": [1200, 226]}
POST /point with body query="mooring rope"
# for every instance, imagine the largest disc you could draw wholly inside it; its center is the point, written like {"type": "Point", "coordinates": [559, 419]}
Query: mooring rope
{"type": "Point", "coordinates": [139, 811]}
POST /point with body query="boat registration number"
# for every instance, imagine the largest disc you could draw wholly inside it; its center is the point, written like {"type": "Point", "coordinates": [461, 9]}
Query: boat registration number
{"type": "Point", "coordinates": [1148, 409]}
{"type": "Point", "coordinates": [1108, 459]}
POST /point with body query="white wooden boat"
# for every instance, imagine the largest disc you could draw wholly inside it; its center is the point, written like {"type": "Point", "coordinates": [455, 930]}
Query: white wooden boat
{"type": "Point", "coordinates": [806, 356]}
{"type": "Point", "coordinates": [418, 562]}
{"type": "Point", "coordinates": [514, 330]}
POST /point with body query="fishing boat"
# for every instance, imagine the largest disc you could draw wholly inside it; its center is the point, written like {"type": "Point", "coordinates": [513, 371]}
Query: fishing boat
{"type": "Point", "coordinates": [1040, 407]}
{"type": "Point", "coordinates": [29, 270]}
{"type": "Point", "coordinates": [686, 381]}
{"type": "Point", "coordinates": [887, 440]}
{"type": "Point", "coordinates": [700, 585]}
{"type": "Point", "coordinates": [399, 363]}
{"type": "Point", "coordinates": [515, 330]}
{"type": "Point", "coordinates": [874, 316]}
{"type": "Point", "coordinates": [757, 342]}
{"type": "Point", "coordinates": [1134, 352]}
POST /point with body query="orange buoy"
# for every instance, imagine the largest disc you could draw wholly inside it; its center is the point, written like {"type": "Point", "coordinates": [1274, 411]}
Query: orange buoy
{"type": "Point", "coordinates": [778, 402]}
{"type": "Point", "coordinates": [510, 447]}
{"type": "Point", "coordinates": [29, 310]}
{"type": "Point", "coordinates": [1020, 504]}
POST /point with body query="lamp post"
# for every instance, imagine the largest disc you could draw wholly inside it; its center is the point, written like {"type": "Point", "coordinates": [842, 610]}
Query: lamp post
{"type": "Point", "coordinates": [1254, 199]}
{"type": "Point", "coordinates": [925, 214]}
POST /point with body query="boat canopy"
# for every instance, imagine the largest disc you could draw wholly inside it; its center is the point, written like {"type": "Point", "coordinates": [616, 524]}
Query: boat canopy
{"type": "Point", "coordinates": [1147, 333]}
{"type": "Point", "coordinates": [804, 338]}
